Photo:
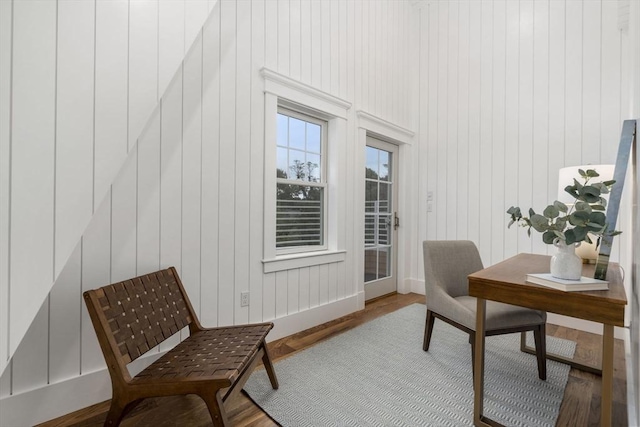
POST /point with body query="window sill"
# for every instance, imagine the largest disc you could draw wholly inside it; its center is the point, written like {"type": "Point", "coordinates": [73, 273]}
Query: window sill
{"type": "Point", "coordinates": [307, 259]}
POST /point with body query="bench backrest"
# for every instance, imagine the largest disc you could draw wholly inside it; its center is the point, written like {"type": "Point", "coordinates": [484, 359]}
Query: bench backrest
{"type": "Point", "coordinates": [133, 316]}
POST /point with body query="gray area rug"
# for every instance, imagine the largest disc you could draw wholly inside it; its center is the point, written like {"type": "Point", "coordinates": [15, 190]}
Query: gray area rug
{"type": "Point", "coordinates": [378, 375]}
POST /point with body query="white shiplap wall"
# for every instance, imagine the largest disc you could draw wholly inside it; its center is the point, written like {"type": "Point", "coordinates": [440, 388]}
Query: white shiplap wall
{"type": "Point", "coordinates": [78, 80]}
{"type": "Point", "coordinates": [190, 192]}
{"type": "Point", "coordinates": [510, 92]}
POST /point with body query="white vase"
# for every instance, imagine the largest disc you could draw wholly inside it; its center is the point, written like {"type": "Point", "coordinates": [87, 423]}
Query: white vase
{"type": "Point", "coordinates": [565, 264]}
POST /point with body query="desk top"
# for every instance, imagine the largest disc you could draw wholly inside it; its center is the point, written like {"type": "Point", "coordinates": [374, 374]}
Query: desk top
{"type": "Point", "coordinates": [506, 282]}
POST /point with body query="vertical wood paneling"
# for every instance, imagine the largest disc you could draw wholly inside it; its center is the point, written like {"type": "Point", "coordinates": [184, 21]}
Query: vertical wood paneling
{"type": "Point", "coordinates": [226, 171]}
{"type": "Point", "coordinates": [283, 36]}
{"type": "Point", "coordinates": [540, 197]}
{"type": "Point", "coordinates": [281, 294]}
{"type": "Point", "coordinates": [486, 128]}
{"type": "Point", "coordinates": [295, 31]}
{"type": "Point", "coordinates": [498, 131]}
{"type": "Point", "coordinates": [32, 149]}
{"type": "Point", "coordinates": [293, 291]}
{"type": "Point", "coordinates": [610, 81]}
{"type": "Point", "coordinates": [143, 64]}
{"type": "Point", "coordinates": [591, 86]}
{"type": "Point", "coordinates": [324, 284]}
{"type": "Point", "coordinates": [243, 173]}
{"type": "Point", "coordinates": [96, 272]}
{"type": "Point", "coordinates": [191, 172]}
{"type": "Point", "coordinates": [256, 165]}
{"type": "Point", "coordinates": [171, 40]}
{"type": "Point", "coordinates": [269, 297]}
{"type": "Point", "coordinates": [306, 20]}
{"type": "Point", "coordinates": [451, 165]}
{"type": "Point", "coordinates": [442, 127]}
{"type": "Point", "coordinates": [6, 28]}
{"type": "Point", "coordinates": [475, 31]}
{"type": "Point", "coordinates": [345, 40]}
{"type": "Point", "coordinates": [325, 45]}
{"type": "Point", "coordinates": [74, 125]}
{"type": "Point", "coordinates": [64, 329]}
{"type": "Point", "coordinates": [194, 12]}
{"type": "Point", "coordinates": [512, 96]}
{"type": "Point", "coordinates": [432, 113]}
{"type": "Point", "coordinates": [123, 221]}
{"type": "Point", "coordinates": [535, 102]}
{"type": "Point", "coordinates": [148, 191]}
{"type": "Point", "coordinates": [334, 58]}
{"type": "Point", "coordinates": [210, 167]}
{"type": "Point", "coordinates": [30, 360]}
{"type": "Point", "coordinates": [314, 286]}
{"type": "Point", "coordinates": [271, 35]}
{"type": "Point", "coordinates": [463, 120]}
{"type": "Point", "coordinates": [364, 42]}
{"type": "Point", "coordinates": [111, 93]}
{"type": "Point", "coordinates": [332, 287]}
{"type": "Point", "coordinates": [303, 286]}
{"type": "Point", "coordinates": [574, 54]}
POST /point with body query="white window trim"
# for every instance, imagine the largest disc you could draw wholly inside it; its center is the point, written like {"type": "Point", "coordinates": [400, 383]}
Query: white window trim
{"type": "Point", "coordinates": [281, 91]}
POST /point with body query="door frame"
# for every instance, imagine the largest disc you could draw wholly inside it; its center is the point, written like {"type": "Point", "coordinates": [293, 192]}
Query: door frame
{"type": "Point", "coordinates": [370, 125]}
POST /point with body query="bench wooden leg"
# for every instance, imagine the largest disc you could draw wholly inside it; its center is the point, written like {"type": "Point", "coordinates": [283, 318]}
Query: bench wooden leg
{"type": "Point", "coordinates": [268, 366]}
{"type": "Point", "coordinates": [214, 402]}
{"type": "Point", "coordinates": [118, 410]}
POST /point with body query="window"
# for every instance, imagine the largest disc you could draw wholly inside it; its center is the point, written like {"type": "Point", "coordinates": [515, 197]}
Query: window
{"type": "Point", "coordinates": [300, 182]}
{"type": "Point", "coordinates": [305, 165]}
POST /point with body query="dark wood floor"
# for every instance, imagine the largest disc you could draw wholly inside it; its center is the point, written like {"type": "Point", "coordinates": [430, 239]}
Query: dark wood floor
{"type": "Point", "coordinates": [580, 406]}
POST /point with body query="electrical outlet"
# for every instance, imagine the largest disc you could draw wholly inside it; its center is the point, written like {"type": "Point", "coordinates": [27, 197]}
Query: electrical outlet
{"type": "Point", "coordinates": [244, 299]}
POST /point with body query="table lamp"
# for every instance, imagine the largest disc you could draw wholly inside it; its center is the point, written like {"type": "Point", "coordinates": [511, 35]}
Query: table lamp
{"type": "Point", "coordinates": [587, 251]}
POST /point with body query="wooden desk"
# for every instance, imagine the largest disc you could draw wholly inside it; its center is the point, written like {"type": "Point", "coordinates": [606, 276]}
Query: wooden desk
{"type": "Point", "coordinates": [506, 282]}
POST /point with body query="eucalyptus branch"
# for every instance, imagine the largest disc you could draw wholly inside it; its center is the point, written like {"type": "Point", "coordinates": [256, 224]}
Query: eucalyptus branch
{"type": "Point", "coordinates": [586, 215]}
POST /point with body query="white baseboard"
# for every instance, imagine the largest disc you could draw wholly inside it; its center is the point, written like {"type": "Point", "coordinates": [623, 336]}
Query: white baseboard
{"type": "Point", "coordinates": [54, 400]}
{"type": "Point", "coordinates": [57, 399]}
{"type": "Point", "coordinates": [415, 286]}
{"type": "Point", "coordinates": [297, 322]}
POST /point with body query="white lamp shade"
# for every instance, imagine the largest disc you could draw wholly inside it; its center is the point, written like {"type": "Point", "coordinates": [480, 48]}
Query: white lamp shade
{"type": "Point", "coordinates": [568, 174]}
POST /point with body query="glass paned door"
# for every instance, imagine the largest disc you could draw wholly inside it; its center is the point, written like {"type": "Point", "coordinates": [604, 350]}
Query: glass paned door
{"type": "Point", "coordinates": [379, 218]}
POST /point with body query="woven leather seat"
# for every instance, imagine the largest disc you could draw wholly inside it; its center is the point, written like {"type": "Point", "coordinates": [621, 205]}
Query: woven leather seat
{"type": "Point", "coordinates": [134, 316]}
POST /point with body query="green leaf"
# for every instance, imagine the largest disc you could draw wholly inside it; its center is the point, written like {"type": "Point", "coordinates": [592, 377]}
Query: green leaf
{"type": "Point", "coordinates": [559, 235]}
{"type": "Point", "coordinates": [561, 223]}
{"type": "Point", "coordinates": [580, 233]}
{"type": "Point", "coordinates": [539, 223]}
{"type": "Point", "coordinates": [591, 173]}
{"type": "Point", "coordinates": [582, 173]}
{"type": "Point", "coordinates": [551, 211]}
{"type": "Point", "coordinates": [561, 206]}
{"type": "Point", "coordinates": [579, 218]}
{"type": "Point", "coordinates": [531, 213]}
{"type": "Point", "coordinates": [583, 206]}
{"type": "Point", "coordinates": [571, 190]}
{"type": "Point", "coordinates": [511, 223]}
{"type": "Point", "coordinates": [598, 218]}
{"type": "Point", "coordinates": [570, 236]}
{"type": "Point", "coordinates": [577, 185]}
{"type": "Point", "coordinates": [609, 183]}
{"type": "Point", "coordinates": [589, 194]}
{"type": "Point", "coordinates": [597, 207]}
{"type": "Point", "coordinates": [548, 237]}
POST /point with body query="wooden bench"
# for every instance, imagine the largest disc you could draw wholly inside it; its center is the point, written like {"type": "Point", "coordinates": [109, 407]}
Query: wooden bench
{"type": "Point", "coordinates": [132, 317]}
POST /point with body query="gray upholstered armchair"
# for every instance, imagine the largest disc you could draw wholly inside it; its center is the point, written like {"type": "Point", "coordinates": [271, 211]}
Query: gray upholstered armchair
{"type": "Point", "coordinates": [447, 263]}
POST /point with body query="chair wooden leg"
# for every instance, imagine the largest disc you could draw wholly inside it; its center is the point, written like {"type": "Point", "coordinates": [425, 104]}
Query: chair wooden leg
{"type": "Point", "coordinates": [216, 408]}
{"type": "Point", "coordinates": [428, 330]}
{"type": "Point", "coordinates": [472, 341]}
{"type": "Point", "coordinates": [268, 366]}
{"type": "Point", "coordinates": [540, 338]}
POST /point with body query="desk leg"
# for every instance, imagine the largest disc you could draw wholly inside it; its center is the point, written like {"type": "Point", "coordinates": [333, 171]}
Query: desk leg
{"type": "Point", "coordinates": [478, 379]}
{"type": "Point", "coordinates": [607, 376]}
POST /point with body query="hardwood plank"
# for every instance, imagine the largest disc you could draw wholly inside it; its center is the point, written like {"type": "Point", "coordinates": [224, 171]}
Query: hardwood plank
{"type": "Point", "coordinates": [580, 405]}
